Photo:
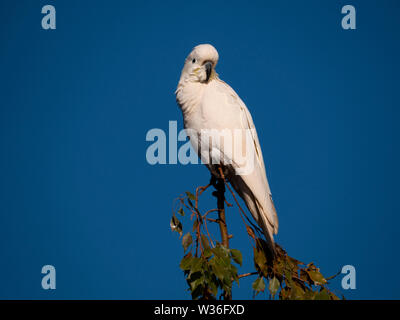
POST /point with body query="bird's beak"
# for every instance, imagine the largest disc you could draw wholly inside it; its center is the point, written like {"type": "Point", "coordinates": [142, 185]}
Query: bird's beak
{"type": "Point", "coordinates": [208, 65]}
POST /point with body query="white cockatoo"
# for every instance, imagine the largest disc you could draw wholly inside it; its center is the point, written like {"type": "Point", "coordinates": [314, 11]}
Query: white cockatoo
{"type": "Point", "coordinates": [210, 106]}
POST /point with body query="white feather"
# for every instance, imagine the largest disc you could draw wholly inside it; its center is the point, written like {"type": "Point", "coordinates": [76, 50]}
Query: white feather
{"type": "Point", "coordinates": [213, 105]}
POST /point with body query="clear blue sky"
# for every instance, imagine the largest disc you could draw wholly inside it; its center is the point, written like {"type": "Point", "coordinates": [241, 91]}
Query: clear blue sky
{"type": "Point", "coordinates": [76, 103]}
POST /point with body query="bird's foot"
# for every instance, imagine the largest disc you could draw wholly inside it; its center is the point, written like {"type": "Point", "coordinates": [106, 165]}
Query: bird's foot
{"type": "Point", "coordinates": [219, 172]}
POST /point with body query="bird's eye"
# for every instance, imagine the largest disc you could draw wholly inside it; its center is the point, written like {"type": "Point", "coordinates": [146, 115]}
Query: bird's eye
{"type": "Point", "coordinates": [194, 61]}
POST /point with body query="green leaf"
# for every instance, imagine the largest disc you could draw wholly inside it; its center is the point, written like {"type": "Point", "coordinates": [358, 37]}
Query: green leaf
{"type": "Point", "coordinates": [305, 277]}
{"type": "Point", "coordinates": [235, 276]}
{"type": "Point", "coordinates": [186, 262]}
{"type": "Point", "coordinates": [217, 268]}
{"type": "Point", "coordinates": [187, 241]}
{"type": "Point", "coordinates": [288, 278]}
{"type": "Point", "coordinates": [204, 242]}
{"type": "Point", "coordinates": [292, 263]}
{"type": "Point", "coordinates": [273, 286]}
{"type": "Point", "coordinates": [176, 225]}
{"type": "Point", "coordinates": [237, 256]}
{"type": "Point", "coordinates": [198, 291]}
{"type": "Point", "coordinates": [190, 196]}
{"type": "Point", "coordinates": [279, 267]}
{"type": "Point", "coordinates": [220, 251]}
{"type": "Point", "coordinates": [259, 259]}
{"type": "Point", "coordinates": [317, 277]}
{"type": "Point", "coordinates": [196, 283]}
{"type": "Point", "coordinates": [181, 212]}
{"type": "Point", "coordinates": [207, 253]}
{"type": "Point", "coordinates": [297, 292]}
{"type": "Point", "coordinates": [227, 283]}
{"type": "Point", "coordinates": [222, 256]}
{"type": "Point", "coordinates": [197, 265]}
{"type": "Point", "coordinates": [322, 295]}
{"type": "Point", "coordinates": [213, 287]}
{"type": "Point", "coordinates": [259, 285]}
{"type": "Point", "coordinates": [309, 294]}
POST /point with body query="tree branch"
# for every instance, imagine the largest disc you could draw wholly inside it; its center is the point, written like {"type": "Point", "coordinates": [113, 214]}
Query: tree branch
{"type": "Point", "coordinates": [247, 274]}
{"type": "Point", "coordinates": [220, 195]}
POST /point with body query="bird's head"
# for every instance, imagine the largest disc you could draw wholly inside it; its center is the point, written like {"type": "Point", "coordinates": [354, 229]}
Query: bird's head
{"type": "Point", "coordinates": [200, 64]}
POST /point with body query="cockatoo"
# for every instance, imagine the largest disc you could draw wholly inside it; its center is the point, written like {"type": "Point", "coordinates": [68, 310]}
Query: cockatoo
{"type": "Point", "coordinates": [209, 106]}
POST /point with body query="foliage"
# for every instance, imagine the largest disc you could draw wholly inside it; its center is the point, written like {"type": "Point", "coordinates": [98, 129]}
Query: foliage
{"type": "Point", "coordinates": [211, 268]}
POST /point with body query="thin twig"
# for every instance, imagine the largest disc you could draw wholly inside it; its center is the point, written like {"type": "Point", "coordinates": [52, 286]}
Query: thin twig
{"type": "Point", "coordinates": [241, 211]}
{"type": "Point", "coordinates": [209, 211]}
{"type": "Point", "coordinates": [240, 208]}
{"type": "Point", "coordinates": [209, 236]}
{"type": "Point", "coordinates": [247, 274]}
{"type": "Point", "coordinates": [220, 194]}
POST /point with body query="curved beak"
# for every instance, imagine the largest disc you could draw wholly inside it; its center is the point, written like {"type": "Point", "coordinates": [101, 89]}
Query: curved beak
{"type": "Point", "coordinates": [208, 65]}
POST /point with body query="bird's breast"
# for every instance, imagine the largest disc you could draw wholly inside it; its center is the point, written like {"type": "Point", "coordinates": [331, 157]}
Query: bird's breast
{"type": "Point", "coordinates": [213, 105]}
{"type": "Point", "coordinates": [189, 96]}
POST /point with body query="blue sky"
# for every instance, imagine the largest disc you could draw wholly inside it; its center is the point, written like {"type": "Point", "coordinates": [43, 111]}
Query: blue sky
{"type": "Point", "coordinates": [76, 191]}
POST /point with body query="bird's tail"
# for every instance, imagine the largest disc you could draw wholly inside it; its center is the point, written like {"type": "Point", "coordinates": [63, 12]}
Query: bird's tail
{"type": "Point", "coordinates": [259, 213]}
{"type": "Point", "coordinates": [268, 221]}
{"type": "Point", "coordinates": [262, 209]}
{"type": "Point", "coordinates": [269, 245]}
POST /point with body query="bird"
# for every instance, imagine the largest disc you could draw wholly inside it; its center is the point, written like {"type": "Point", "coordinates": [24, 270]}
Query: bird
{"type": "Point", "coordinates": [209, 105]}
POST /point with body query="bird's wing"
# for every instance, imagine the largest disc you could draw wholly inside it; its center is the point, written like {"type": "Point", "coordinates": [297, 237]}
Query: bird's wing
{"type": "Point", "coordinates": [229, 111]}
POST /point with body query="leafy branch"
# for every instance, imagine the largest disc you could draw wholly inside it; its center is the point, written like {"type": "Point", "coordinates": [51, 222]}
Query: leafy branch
{"type": "Point", "coordinates": [211, 267]}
